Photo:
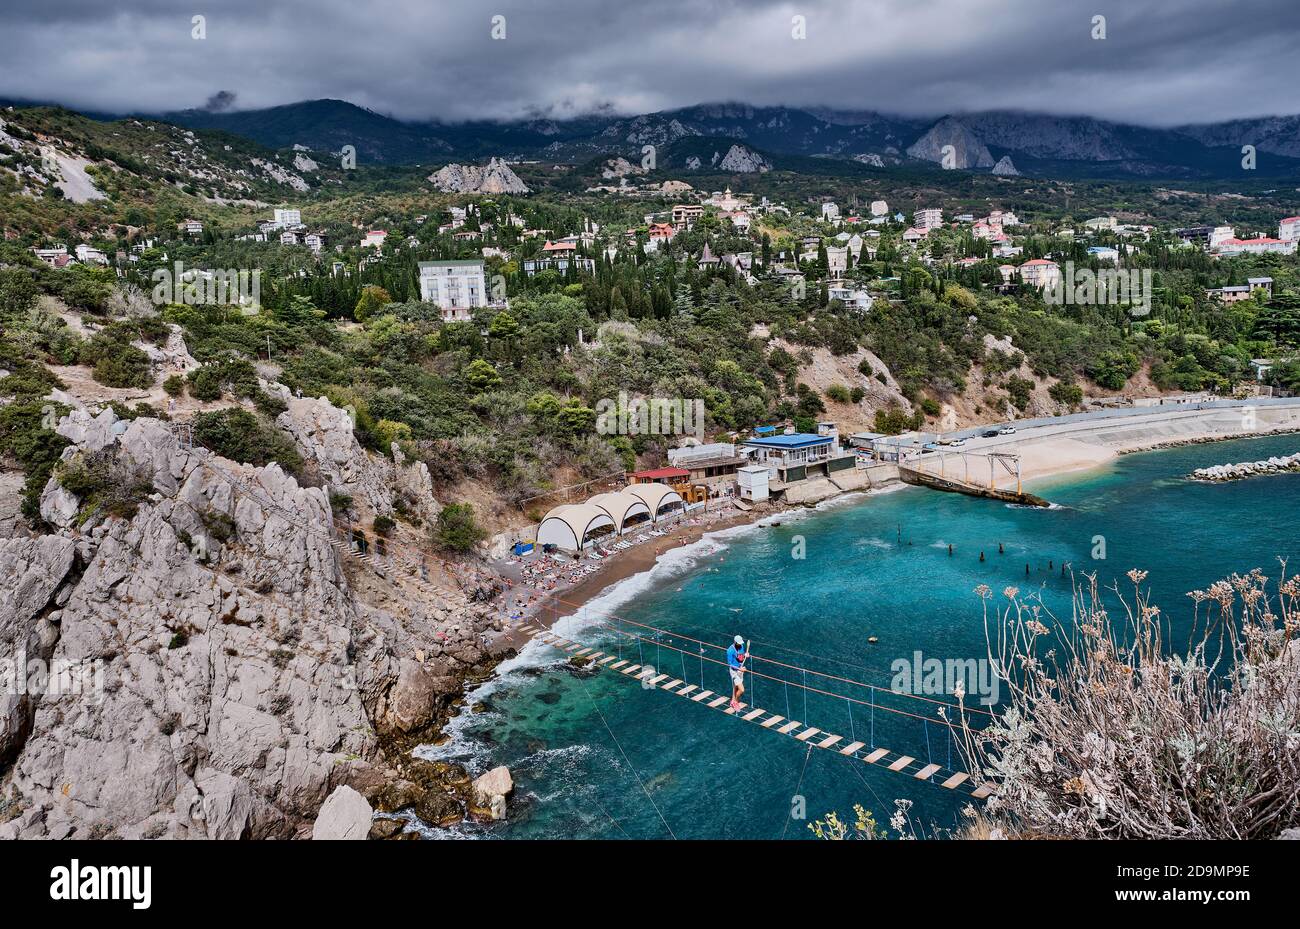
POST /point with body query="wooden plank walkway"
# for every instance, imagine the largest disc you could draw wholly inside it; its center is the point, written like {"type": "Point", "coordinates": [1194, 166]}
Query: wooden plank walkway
{"type": "Point", "coordinates": [814, 737]}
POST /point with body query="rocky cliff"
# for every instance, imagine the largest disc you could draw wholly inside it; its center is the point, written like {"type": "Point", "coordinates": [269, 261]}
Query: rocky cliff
{"type": "Point", "coordinates": [494, 178]}
{"type": "Point", "coordinates": [1006, 167]}
{"type": "Point", "coordinates": [742, 160]}
{"type": "Point", "coordinates": [967, 150]}
{"type": "Point", "coordinates": [218, 668]}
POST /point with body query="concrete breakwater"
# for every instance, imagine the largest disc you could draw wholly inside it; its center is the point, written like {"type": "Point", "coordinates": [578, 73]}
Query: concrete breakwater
{"type": "Point", "coordinates": [1244, 469]}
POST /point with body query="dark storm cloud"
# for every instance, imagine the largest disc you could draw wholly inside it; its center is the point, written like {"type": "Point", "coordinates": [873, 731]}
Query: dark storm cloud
{"type": "Point", "coordinates": [1162, 62]}
{"type": "Point", "coordinates": [219, 102]}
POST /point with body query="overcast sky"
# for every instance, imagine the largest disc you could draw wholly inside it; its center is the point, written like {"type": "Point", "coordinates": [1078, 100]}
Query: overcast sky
{"type": "Point", "coordinates": [1162, 62]}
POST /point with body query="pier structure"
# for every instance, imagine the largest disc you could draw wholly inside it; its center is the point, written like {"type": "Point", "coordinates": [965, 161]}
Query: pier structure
{"type": "Point", "coordinates": [955, 476]}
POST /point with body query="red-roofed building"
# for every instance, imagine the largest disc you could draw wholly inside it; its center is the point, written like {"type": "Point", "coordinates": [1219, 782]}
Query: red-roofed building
{"type": "Point", "coordinates": [552, 248]}
{"type": "Point", "coordinates": [1258, 246]}
{"type": "Point", "coordinates": [1039, 272]}
{"type": "Point", "coordinates": [659, 476]}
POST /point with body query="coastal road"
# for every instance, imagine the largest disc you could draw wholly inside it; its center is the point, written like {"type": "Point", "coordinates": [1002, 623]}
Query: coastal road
{"type": "Point", "coordinates": [1082, 425]}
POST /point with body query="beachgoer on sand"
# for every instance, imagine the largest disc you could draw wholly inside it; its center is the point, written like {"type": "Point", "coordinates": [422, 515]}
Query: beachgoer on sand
{"type": "Point", "coordinates": [736, 666]}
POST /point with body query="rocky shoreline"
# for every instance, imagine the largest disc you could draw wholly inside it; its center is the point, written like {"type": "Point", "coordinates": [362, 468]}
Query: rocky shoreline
{"type": "Point", "coordinates": [246, 681]}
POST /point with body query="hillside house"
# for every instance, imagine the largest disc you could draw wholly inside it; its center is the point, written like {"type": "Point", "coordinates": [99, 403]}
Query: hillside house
{"type": "Point", "coordinates": [456, 287]}
{"type": "Point", "coordinates": [1039, 272]}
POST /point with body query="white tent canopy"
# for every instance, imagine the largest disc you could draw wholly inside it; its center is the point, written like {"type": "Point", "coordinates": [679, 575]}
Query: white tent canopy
{"type": "Point", "coordinates": [567, 527]}
{"type": "Point", "coordinates": [622, 507]}
{"type": "Point", "coordinates": [658, 498]}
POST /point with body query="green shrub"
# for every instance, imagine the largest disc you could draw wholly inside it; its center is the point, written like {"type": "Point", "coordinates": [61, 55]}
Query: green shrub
{"type": "Point", "coordinates": [17, 292]}
{"type": "Point", "coordinates": [894, 420]}
{"type": "Point", "coordinates": [119, 364]}
{"type": "Point", "coordinates": [103, 482]}
{"type": "Point", "coordinates": [240, 436]}
{"type": "Point", "coordinates": [228, 372]}
{"type": "Point", "coordinates": [270, 405]}
{"type": "Point", "coordinates": [205, 384]}
{"type": "Point", "coordinates": [839, 393]}
{"type": "Point", "coordinates": [24, 435]}
{"type": "Point", "coordinates": [456, 529]}
{"type": "Point", "coordinates": [1068, 394]}
{"type": "Point", "coordinates": [174, 385]}
{"type": "Point", "coordinates": [219, 526]}
{"type": "Point", "coordinates": [1020, 389]}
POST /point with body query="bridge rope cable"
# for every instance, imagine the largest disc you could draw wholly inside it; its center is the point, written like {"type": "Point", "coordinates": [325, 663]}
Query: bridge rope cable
{"type": "Point", "coordinates": [929, 773]}
{"type": "Point", "coordinates": [807, 688]}
{"type": "Point", "coordinates": [804, 686]}
{"type": "Point", "coordinates": [274, 598]}
{"type": "Point", "coordinates": [268, 503]}
{"type": "Point", "coordinates": [797, 787]}
{"type": "Point", "coordinates": [595, 706]}
{"type": "Point", "coordinates": [609, 816]}
{"type": "Point", "coordinates": [791, 667]}
{"type": "Point", "coordinates": [867, 784]}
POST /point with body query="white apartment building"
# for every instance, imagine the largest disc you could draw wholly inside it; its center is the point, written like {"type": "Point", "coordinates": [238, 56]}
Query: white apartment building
{"type": "Point", "coordinates": [1040, 272]}
{"type": "Point", "coordinates": [1221, 234]}
{"type": "Point", "coordinates": [830, 212]}
{"type": "Point", "coordinates": [285, 218]}
{"type": "Point", "coordinates": [1288, 230]}
{"type": "Point", "coordinates": [685, 215]}
{"type": "Point", "coordinates": [879, 208]}
{"type": "Point", "coordinates": [88, 255]}
{"type": "Point", "coordinates": [927, 219]}
{"type": "Point", "coordinates": [457, 287]}
{"type": "Point", "coordinates": [1258, 246]}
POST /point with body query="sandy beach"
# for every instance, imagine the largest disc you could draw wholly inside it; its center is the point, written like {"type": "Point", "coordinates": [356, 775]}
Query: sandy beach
{"type": "Point", "coordinates": [547, 606]}
{"type": "Point", "coordinates": [1079, 447]}
{"type": "Point", "coordinates": [1044, 451]}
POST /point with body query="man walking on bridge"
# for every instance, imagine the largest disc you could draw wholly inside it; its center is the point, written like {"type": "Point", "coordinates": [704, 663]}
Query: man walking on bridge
{"type": "Point", "coordinates": [736, 656]}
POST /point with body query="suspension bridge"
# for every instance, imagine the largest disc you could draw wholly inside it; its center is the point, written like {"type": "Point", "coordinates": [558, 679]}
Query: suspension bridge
{"type": "Point", "coordinates": [857, 696]}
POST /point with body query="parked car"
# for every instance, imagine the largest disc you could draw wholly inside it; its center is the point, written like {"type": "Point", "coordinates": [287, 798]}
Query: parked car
{"type": "Point", "coordinates": [1007, 430]}
{"type": "Point", "coordinates": [991, 434]}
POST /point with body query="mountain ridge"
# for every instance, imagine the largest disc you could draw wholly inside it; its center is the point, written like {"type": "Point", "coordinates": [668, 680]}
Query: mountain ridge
{"type": "Point", "coordinates": [1041, 144]}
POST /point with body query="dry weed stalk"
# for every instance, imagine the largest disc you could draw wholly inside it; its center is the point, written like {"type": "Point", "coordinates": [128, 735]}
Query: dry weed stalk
{"type": "Point", "coordinates": [1110, 734]}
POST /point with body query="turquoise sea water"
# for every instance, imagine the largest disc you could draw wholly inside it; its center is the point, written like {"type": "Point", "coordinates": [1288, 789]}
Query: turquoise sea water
{"type": "Point", "coordinates": [598, 756]}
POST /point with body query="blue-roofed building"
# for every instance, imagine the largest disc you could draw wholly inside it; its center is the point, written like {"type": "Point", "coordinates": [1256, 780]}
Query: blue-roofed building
{"type": "Point", "coordinates": [799, 455]}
